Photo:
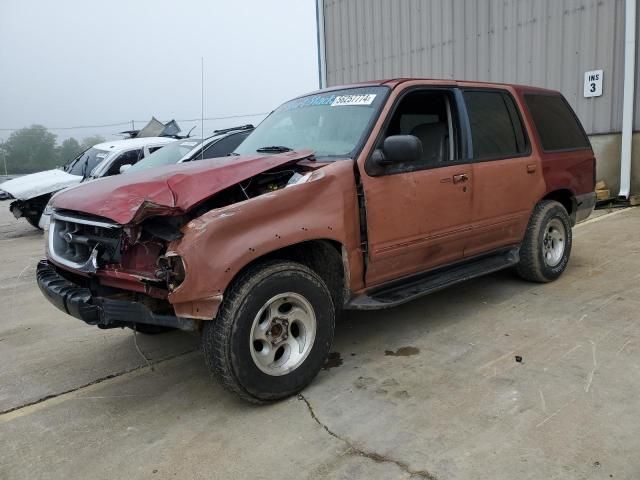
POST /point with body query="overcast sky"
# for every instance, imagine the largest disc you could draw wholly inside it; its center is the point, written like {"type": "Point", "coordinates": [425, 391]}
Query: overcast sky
{"type": "Point", "coordinates": [77, 62]}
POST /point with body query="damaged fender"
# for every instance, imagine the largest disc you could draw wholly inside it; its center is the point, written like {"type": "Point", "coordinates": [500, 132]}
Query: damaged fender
{"type": "Point", "coordinates": [217, 245]}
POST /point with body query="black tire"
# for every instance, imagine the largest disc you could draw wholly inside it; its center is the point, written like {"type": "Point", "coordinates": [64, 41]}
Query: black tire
{"type": "Point", "coordinates": [227, 342]}
{"type": "Point", "coordinates": [147, 329]}
{"type": "Point", "coordinates": [535, 265]}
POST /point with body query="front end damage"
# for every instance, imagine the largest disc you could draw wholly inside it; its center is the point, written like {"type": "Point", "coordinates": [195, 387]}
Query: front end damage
{"type": "Point", "coordinates": [106, 274]}
{"type": "Point", "coordinates": [113, 274]}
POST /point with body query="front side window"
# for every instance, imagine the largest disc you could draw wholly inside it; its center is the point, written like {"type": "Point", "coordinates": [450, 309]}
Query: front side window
{"type": "Point", "coordinates": [430, 117]}
{"type": "Point", "coordinates": [332, 124]}
{"type": "Point", "coordinates": [126, 158]}
{"type": "Point", "coordinates": [496, 128]}
{"type": "Point", "coordinates": [557, 125]}
{"type": "Point", "coordinates": [170, 154]}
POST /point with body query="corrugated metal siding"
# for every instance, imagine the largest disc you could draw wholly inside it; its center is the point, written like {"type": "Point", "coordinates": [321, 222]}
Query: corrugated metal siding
{"type": "Point", "coordinates": [547, 43]}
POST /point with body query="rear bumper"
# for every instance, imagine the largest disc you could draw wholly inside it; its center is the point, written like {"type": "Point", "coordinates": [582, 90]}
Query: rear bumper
{"type": "Point", "coordinates": [584, 206]}
{"type": "Point", "coordinates": [103, 312]}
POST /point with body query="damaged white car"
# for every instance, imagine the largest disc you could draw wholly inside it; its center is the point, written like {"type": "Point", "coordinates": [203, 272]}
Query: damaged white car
{"type": "Point", "coordinates": [32, 192]}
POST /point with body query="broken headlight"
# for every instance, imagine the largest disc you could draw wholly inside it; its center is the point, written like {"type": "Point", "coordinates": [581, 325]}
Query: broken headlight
{"type": "Point", "coordinates": [171, 270]}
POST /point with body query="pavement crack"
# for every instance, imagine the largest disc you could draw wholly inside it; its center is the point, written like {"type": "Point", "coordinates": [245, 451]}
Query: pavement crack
{"type": "Point", "coordinates": [95, 382]}
{"type": "Point", "coordinates": [354, 449]}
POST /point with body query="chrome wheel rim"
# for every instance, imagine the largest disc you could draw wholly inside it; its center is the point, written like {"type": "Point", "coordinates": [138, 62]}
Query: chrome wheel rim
{"type": "Point", "coordinates": [282, 334]}
{"type": "Point", "coordinates": [553, 242]}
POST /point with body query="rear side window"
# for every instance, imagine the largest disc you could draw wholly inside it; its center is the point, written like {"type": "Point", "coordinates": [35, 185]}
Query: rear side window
{"type": "Point", "coordinates": [496, 128]}
{"type": "Point", "coordinates": [557, 125]}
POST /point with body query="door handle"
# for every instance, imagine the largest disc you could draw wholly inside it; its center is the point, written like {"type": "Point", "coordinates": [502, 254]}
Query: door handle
{"type": "Point", "coordinates": [463, 177]}
{"type": "Point", "coordinates": [531, 168]}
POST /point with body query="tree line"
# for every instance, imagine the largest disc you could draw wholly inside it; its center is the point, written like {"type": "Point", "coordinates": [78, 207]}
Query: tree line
{"type": "Point", "coordinates": [34, 148]}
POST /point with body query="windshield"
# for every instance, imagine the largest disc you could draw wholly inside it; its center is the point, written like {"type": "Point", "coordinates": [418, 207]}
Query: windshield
{"type": "Point", "coordinates": [86, 162]}
{"type": "Point", "coordinates": [167, 155]}
{"type": "Point", "coordinates": [332, 124]}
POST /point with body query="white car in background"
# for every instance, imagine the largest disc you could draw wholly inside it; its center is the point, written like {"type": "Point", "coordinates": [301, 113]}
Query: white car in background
{"type": "Point", "coordinates": [32, 192]}
{"type": "Point", "coordinates": [220, 144]}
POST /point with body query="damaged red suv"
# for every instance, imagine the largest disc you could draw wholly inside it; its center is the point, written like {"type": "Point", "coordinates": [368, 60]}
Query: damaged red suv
{"type": "Point", "coordinates": [359, 197]}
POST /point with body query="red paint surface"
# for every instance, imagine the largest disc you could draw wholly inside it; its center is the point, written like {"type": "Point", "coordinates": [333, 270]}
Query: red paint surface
{"type": "Point", "coordinates": [173, 189]}
{"type": "Point", "coordinates": [415, 221]}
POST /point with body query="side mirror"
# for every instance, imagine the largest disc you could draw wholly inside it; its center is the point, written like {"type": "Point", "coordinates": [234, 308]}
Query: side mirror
{"type": "Point", "coordinates": [398, 149]}
{"type": "Point", "coordinates": [124, 168]}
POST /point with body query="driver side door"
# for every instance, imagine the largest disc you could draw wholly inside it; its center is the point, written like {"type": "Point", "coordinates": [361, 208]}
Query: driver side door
{"type": "Point", "coordinates": [419, 215]}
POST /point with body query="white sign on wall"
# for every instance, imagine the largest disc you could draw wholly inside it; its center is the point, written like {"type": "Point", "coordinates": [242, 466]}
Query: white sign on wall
{"type": "Point", "coordinates": [593, 83]}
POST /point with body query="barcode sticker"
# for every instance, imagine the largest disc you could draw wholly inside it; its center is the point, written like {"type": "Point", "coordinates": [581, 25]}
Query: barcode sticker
{"type": "Point", "coordinates": [346, 100]}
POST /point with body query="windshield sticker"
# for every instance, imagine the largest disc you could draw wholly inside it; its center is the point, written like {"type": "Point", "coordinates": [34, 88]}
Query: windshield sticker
{"type": "Point", "coordinates": [101, 155]}
{"type": "Point", "coordinates": [344, 100]}
{"type": "Point", "coordinates": [188, 144]}
{"type": "Point", "coordinates": [330, 99]}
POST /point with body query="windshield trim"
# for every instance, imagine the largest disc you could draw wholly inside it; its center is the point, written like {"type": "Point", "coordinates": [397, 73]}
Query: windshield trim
{"type": "Point", "coordinates": [355, 153]}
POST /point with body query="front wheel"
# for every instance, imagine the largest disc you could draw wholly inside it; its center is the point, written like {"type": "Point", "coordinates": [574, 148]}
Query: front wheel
{"type": "Point", "coordinates": [546, 247]}
{"type": "Point", "coordinates": [273, 332]}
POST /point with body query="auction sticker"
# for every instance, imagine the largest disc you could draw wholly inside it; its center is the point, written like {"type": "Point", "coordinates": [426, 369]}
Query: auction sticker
{"type": "Point", "coordinates": [345, 100]}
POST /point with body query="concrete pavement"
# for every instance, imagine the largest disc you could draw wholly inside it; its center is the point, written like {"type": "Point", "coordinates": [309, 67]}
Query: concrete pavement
{"type": "Point", "coordinates": [428, 390]}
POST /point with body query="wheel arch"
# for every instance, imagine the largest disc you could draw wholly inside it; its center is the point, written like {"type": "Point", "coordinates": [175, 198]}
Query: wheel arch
{"type": "Point", "coordinates": [325, 257]}
{"type": "Point", "coordinates": [565, 197]}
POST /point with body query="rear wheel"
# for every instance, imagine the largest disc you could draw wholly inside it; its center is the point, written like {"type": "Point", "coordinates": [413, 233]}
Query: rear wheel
{"type": "Point", "coordinates": [273, 332]}
{"type": "Point", "coordinates": [546, 248]}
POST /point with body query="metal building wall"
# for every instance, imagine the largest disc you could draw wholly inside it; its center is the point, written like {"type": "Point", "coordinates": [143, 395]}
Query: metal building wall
{"type": "Point", "coordinates": [547, 43]}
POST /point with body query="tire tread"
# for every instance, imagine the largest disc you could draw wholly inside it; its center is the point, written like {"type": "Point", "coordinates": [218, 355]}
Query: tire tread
{"type": "Point", "coordinates": [530, 266]}
{"type": "Point", "coordinates": [215, 344]}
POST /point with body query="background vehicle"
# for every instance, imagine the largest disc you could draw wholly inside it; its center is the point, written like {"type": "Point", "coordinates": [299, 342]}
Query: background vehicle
{"type": "Point", "coordinates": [32, 192]}
{"type": "Point", "coordinates": [360, 197]}
{"type": "Point", "coordinates": [220, 144]}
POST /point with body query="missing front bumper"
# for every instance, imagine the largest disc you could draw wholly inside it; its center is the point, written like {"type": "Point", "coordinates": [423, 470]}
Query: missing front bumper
{"type": "Point", "coordinates": [103, 312]}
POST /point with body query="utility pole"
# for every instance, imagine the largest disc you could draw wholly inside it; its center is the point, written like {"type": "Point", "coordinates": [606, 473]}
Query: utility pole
{"type": "Point", "coordinates": [4, 156]}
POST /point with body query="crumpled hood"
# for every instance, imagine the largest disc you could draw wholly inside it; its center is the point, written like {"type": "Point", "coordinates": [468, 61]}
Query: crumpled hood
{"type": "Point", "coordinates": [36, 184]}
{"type": "Point", "coordinates": [172, 189]}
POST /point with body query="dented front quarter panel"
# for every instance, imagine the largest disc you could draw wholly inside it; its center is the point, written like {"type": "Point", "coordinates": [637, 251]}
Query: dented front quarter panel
{"type": "Point", "coordinates": [217, 245]}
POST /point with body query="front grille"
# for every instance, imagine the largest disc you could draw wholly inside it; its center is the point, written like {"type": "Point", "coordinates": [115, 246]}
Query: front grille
{"type": "Point", "coordinates": [80, 242]}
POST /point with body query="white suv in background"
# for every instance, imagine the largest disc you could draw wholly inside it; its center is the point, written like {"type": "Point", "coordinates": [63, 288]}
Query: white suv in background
{"type": "Point", "coordinates": [32, 192]}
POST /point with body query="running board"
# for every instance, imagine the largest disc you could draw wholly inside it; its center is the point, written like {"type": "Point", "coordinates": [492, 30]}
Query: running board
{"type": "Point", "coordinates": [416, 286]}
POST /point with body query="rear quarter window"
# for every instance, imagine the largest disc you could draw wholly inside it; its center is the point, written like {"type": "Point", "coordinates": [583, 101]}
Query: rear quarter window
{"type": "Point", "coordinates": [557, 125]}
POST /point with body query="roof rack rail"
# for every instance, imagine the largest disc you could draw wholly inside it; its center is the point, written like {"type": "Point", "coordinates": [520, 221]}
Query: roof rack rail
{"type": "Point", "coordinates": [227, 130]}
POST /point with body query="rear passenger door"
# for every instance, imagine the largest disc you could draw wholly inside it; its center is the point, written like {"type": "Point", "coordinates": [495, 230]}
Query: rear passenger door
{"type": "Point", "coordinates": [508, 178]}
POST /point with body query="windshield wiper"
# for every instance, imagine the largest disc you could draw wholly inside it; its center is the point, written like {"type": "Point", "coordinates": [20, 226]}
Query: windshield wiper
{"type": "Point", "coordinates": [273, 149]}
